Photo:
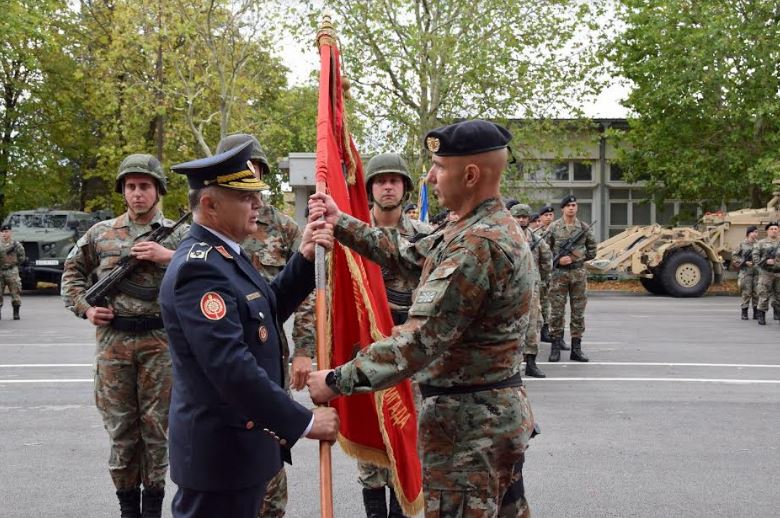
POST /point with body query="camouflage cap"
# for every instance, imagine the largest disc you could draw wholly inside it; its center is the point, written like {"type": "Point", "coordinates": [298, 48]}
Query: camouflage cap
{"type": "Point", "coordinates": [520, 209]}
{"type": "Point", "coordinates": [141, 163]}
{"type": "Point", "coordinates": [237, 139]}
{"type": "Point", "coordinates": [388, 163]}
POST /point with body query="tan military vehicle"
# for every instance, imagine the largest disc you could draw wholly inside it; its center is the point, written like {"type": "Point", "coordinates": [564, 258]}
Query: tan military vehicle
{"type": "Point", "coordinates": [682, 261]}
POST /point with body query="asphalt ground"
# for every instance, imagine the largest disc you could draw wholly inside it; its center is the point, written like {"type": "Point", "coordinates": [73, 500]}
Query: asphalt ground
{"type": "Point", "coordinates": [677, 414]}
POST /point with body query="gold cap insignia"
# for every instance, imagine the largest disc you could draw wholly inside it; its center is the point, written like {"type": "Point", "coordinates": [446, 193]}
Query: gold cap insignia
{"type": "Point", "coordinates": [433, 144]}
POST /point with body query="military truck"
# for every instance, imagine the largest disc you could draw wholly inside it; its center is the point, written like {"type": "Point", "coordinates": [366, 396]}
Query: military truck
{"type": "Point", "coordinates": [47, 236]}
{"type": "Point", "coordinates": [682, 261]}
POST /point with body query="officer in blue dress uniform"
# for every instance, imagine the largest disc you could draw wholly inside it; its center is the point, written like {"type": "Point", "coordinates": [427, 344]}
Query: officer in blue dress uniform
{"type": "Point", "coordinates": [231, 422]}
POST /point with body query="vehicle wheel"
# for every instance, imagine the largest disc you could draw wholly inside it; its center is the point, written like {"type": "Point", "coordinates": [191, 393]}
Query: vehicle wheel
{"type": "Point", "coordinates": [685, 273]}
{"type": "Point", "coordinates": [653, 285]}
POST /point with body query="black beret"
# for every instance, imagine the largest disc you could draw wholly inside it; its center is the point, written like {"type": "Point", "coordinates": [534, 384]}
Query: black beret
{"type": "Point", "coordinates": [546, 209]}
{"type": "Point", "coordinates": [751, 228]}
{"type": "Point", "coordinates": [534, 217]}
{"type": "Point", "coordinates": [228, 169]}
{"type": "Point", "coordinates": [569, 198]}
{"type": "Point", "coordinates": [467, 138]}
{"type": "Point", "coordinates": [771, 224]}
{"type": "Point", "coordinates": [5, 227]}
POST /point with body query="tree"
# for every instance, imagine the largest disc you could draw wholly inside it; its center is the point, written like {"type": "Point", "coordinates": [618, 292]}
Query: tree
{"type": "Point", "coordinates": [416, 64]}
{"type": "Point", "coordinates": [706, 83]}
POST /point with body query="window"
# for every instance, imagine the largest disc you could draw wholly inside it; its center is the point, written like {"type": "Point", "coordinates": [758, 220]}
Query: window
{"type": "Point", "coordinates": [560, 172]}
{"type": "Point", "coordinates": [618, 213]}
{"type": "Point", "coordinates": [641, 214]}
{"type": "Point", "coordinates": [664, 215]}
{"type": "Point", "coordinates": [615, 173]}
{"type": "Point", "coordinates": [583, 171]}
{"type": "Point", "coordinates": [585, 211]}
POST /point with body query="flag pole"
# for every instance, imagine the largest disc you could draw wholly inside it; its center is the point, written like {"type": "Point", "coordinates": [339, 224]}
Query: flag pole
{"type": "Point", "coordinates": [325, 34]}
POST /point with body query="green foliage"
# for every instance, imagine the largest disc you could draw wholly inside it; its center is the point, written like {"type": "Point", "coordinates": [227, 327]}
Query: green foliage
{"type": "Point", "coordinates": [705, 96]}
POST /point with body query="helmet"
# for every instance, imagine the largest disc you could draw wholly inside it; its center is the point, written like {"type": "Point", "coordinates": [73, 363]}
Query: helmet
{"type": "Point", "coordinates": [235, 140]}
{"type": "Point", "coordinates": [142, 164]}
{"type": "Point", "coordinates": [520, 209]}
{"type": "Point", "coordinates": [388, 163]}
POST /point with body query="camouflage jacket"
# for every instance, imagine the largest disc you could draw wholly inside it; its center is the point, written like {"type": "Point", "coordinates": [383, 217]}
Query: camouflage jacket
{"type": "Point", "coordinates": [98, 252]}
{"type": "Point", "coordinates": [466, 317]}
{"type": "Point", "coordinates": [11, 254]}
{"type": "Point", "coordinates": [276, 240]}
{"type": "Point", "coordinates": [400, 288]}
{"type": "Point", "coordinates": [559, 232]}
{"type": "Point", "coordinates": [744, 252]}
{"type": "Point", "coordinates": [767, 249]}
{"type": "Point", "coordinates": [541, 254]}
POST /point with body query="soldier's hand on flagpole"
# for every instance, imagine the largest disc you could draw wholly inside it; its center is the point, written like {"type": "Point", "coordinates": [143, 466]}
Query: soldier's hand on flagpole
{"type": "Point", "coordinates": [318, 232]}
{"type": "Point", "coordinates": [326, 424]}
{"type": "Point", "coordinates": [323, 205]}
{"type": "Point", "coordinates": [319, 390]}
{"type": "Point", "coordinates": [299, 370]}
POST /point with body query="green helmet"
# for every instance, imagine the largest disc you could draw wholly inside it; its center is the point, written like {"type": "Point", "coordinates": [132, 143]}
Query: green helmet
{"type": "Point", "coordinates": [142, 164]}
{"type": "Point", "coordinates": [520, 209]}
{"type": "Point", "coordinates": [388, 163]}
{"type": "Point", "coordinates": [237, 139]}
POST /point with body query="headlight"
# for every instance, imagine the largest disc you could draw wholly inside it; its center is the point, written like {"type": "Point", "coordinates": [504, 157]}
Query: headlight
{"type": "Point", "coordinates": [47, 247]}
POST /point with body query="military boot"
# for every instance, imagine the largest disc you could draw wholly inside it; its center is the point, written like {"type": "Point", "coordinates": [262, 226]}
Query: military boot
{"type": "Point", "coordinates": [530, 367]}
{"type": "Point", "coordinates": [564, 346]}
{"type": "Point", "coordinates": [374, 501]}
{"type": "Point", "coordinates": [16, 311]}
{"type": "Point", "coordinates": [545, 335]}
{"type": "Point", "coordinates": [151, 502]}
{"type": "Point", "coordinates": [129, 502]}
{"type": "Point", "coordinates": [744, 314]}
{"type": "Point", "coordinates": [395, 507]}
{"type": "Point", "coordinates": [761, 317]}
{"type": "Point", "coordinates": [555, 349]}
{"type": "Point", "coordinates": [755, 313]}
{"type": "Point", "coordinates": [576, 351]}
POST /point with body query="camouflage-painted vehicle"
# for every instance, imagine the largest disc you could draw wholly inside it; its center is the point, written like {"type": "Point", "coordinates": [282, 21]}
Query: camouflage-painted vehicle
{"type": "Point", "coordinates": [682, 261]}
{"type": "Point", "coordinates": [47, 237]}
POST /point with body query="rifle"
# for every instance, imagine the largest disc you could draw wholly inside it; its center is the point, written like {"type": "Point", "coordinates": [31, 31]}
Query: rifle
{"type": "Point", "coordinates": [535, 240]}
{"type": "Point", "coordinates": [743, 256]}
{"type": "Point", "coordinates": [771, 254]}
{"type": "Point", "coordinates": [568, 246]}
{"type": "Point", "coordinates": [97, 293]}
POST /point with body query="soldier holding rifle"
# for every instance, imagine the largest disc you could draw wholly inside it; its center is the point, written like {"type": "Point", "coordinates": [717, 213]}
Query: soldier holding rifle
{"type": "Point", "coordinates": [765, 256]}
{"type": "Point", "coordinates": [748, 273]}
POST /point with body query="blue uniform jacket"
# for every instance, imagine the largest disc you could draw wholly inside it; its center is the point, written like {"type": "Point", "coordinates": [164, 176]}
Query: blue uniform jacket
{"type": "Point", "coordinates": [231, 422]}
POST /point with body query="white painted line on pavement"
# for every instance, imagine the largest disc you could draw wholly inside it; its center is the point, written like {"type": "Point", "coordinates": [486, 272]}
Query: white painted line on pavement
{"type": "Point", "coordinates": [2, 382]}
{"type": "Point", "coordinates": [665, 364]}
{"type": "Point", "coordinates": [49, 344]}
{"type": "Point", "coordinates": [684, 380]}
{"type": "Point", "coordinates": [25, 365]}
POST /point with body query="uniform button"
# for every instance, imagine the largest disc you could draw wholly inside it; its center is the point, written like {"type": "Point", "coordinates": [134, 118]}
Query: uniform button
{"type": "Point", "coordinates": [261, 315]}
{"type": "Point", "coordinates": [265, 429]}
{"type": "Point", "coordinates": [250, 425]}
{"type": "Point", "coordinates": [283, 442]}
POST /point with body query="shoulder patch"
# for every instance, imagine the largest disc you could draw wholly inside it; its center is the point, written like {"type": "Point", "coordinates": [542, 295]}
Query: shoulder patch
{"type": "Point", "coordinates": [212, 305]}
{"type": "Point", "coordinates": [199, 251]}
{"type": "Point", "coordinates": [224, 253]}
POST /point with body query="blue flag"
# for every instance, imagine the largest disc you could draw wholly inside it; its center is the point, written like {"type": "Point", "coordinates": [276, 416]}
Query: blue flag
{"type": "Point", "coordinates": [422, 202]}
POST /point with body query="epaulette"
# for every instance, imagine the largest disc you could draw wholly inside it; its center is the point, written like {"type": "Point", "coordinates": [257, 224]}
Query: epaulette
{"type": "Point", "coordinates": [199, 251]}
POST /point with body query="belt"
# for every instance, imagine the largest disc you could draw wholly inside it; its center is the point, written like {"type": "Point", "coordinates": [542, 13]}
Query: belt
{"type": "Point", "coordinates": [432, 390]}
{"type": "Point", "coordinates": [572, 266]}
{"type": "Point", "coordinates": [140, 324]}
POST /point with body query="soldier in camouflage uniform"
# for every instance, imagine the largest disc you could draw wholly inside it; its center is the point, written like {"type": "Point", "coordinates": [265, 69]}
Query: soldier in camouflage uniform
{"type": "Point", "coordinates": [11, 256]}
{"type": "Point", "coordinates": [542, 269]}
{"type": "Point", "coordinates": [546, 216]}
{"type": "Point", "coordinates": [569, 280]}
{"type": "Point", "coordinates": [133, 365]}
{"type": "Point", "coordinates": [765, 256]}
{"type": "Point", "coordinates": [276, 240]}
{"type": "Point", "coordinates": [748, 273]}
{"type": "Point", "coordinates": [388, 184]}
{"type": "Point", "coordinates": [462, 339]}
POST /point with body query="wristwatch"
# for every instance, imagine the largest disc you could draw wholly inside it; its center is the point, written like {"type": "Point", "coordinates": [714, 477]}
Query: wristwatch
{"type": "Point", "coordinates": [332, 380]}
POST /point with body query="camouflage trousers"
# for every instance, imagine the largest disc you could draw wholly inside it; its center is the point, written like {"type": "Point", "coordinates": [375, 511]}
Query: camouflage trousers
{"type": "Point", "coordinates": [768, 287]}
{"type": "Point", "coordinates": [371, 476]}
{"type": "Point", "coordinates": [544, 302]}
{"type": "Point", "coordinates": [514, 504]}
{"type": "Point", "coordinates": [568, 285]}
{"type": "Point", "coordinates": [133, 393]}
{"type": "Point", "coordinates": [531, 340]}
{"type": "Point", "coordinates": [748, 287]}
{"type": "Point", "coordinates": [470, 446]}
{"type": "Point", "coordinates": [275, 498]}
{"type": "Point", "coordinates": [10, 277]}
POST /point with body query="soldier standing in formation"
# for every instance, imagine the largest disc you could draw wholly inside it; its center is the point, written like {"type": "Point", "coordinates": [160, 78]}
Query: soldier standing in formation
{"type": "Point", "coordinates": [462, 338]}
{"type": "Point", "coordinates": [388, 184]}
{"type": "Point", "coordinates": [269, 249]}
{"type": "Point", "coordinates": [546, 216]}
{"type": "Point", "coordinates": [748, 273]}
{"type": "Point", "coordinates": [569, 279]}
{"type": "Point", "coordinates": [542, 270]}
{"type": "Point", "coordinates": [133, 365]}
{"type": "Point", "coordinates": [765, 256]}
{"type": "Point", "coordinates": [11, 256]}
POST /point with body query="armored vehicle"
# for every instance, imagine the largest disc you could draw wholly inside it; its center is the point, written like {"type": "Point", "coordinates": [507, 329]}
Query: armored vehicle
{"type": "Point", "coordinates": [682, 261]}
{"type": "Point", "coordinates": [47, 237]}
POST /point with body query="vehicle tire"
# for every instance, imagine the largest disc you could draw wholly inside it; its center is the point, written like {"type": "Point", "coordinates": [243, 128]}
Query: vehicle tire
{"type": "Point", "coordinates": [653, 285]}
{"type": "Point", "coordinates": [685, 273]}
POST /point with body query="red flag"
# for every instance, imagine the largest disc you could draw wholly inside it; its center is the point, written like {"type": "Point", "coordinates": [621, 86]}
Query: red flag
{"type": "Point", "coordinates": [380, 427]}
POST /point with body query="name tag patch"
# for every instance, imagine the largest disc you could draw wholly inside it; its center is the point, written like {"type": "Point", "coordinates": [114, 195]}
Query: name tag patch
{"type": "Point", "coordinates": [254, 295]}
